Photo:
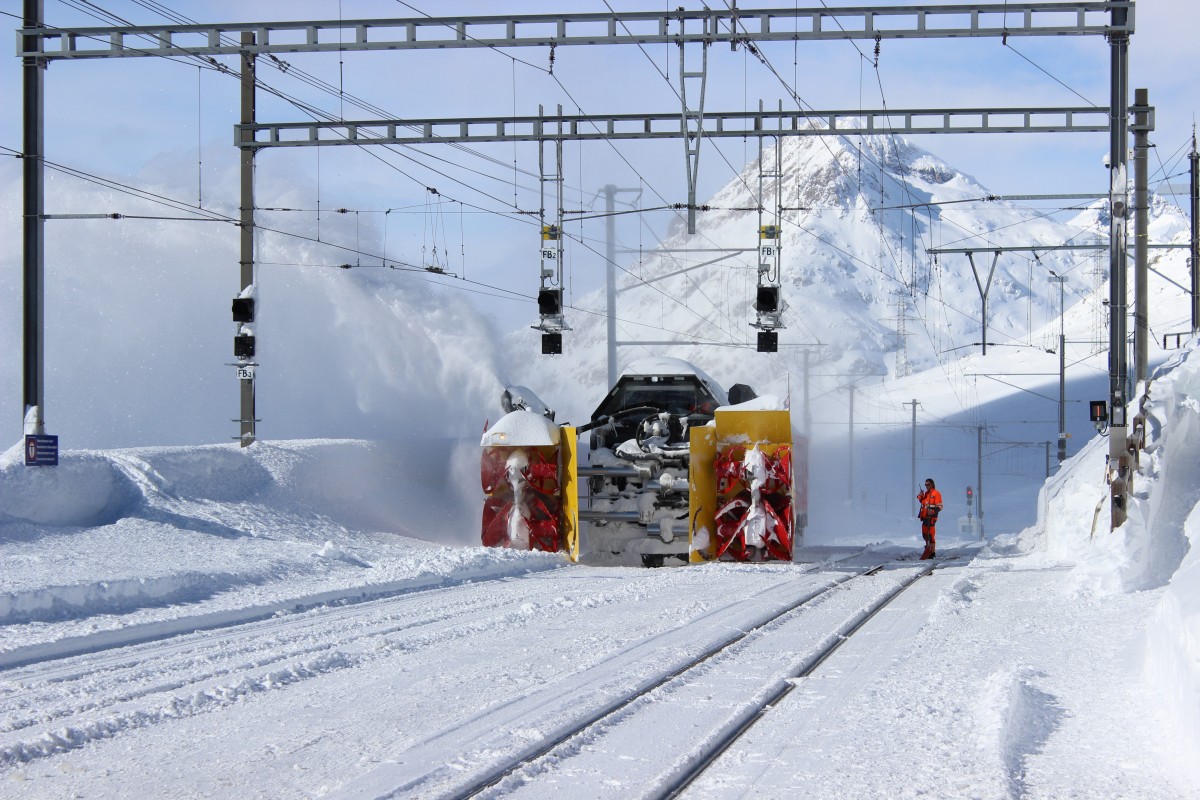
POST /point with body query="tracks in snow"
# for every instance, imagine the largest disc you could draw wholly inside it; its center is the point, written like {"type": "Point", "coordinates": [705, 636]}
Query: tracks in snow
{"type": "Point", "coordinates": [653, 738]}
{"type": "Point", "coordinates": [89, 695]}
{"type": "Point", "coordinates": [660, 689]}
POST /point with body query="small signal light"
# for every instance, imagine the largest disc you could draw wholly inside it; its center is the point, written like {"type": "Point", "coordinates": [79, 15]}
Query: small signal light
{"type": "Point", "coordinates": [767, 300]}
{"type": "Point", "coordinates": [549, 302]}
{"type": "Point", "coordinates": [243, 346]}
{"type": "Point", "coordinates": [1098, 410]}
{"type": "Point", "coordinates": [243, 309]}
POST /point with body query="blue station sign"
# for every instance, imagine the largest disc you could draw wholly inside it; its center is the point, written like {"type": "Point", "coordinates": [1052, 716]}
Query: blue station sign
{"type": "Point", "coordinates": [41, 451]}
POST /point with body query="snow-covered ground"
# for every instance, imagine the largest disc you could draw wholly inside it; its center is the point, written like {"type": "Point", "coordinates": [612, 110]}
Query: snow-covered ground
{"type": "Point", "coordinates": [312, 616]}
{"type": "Point", "coordinates": [298, 619]}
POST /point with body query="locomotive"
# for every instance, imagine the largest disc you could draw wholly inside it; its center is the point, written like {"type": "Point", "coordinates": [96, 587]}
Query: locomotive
{"type": "Point", "coordinates": [674, 470]}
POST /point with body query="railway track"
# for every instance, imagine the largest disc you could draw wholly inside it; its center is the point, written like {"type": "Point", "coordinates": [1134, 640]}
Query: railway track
{"type": "Point", "coordinates": [653, 739]}
{"type": "Point", "coordinates": [541, 685]}
{"type": "Point", "coordinates": [55, 705]}
{"type": "Point", "coordinates": [810, 665]}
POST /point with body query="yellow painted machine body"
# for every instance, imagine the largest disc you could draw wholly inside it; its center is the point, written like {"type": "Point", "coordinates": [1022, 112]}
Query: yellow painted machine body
{"type": "Point", "coordinates": [741, 479]}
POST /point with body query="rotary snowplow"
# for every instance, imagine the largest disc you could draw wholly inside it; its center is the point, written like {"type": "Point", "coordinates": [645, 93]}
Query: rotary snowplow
{"type": "Point", "coordinates": [673, 472]}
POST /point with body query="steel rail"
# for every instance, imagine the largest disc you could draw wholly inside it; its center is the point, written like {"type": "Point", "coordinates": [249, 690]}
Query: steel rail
{"type": "Point", "coordinates": [835, 640]}
{"type": "Point", "coordinates": [174, 632]}
{"type": "Point", "coordinates": [500, 773]}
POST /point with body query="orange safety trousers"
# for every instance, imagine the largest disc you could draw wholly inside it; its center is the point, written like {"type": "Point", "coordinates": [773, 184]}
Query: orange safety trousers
{"type": "Point", "coordinates": [929, 533]}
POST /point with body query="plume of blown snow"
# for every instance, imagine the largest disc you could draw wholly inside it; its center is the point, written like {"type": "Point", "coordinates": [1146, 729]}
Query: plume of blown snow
{"type": "Point", "coordinates": [138, 335]}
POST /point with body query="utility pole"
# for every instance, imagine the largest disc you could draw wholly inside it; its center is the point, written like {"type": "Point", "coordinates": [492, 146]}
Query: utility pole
{"type": "Point", "coordinates": [1118, 457]}
{"type": "Point", "coordinates": [768, 302]}
{"type": "Point", "coordinates": [610, 278]}
{"type": "Point", "coordinates": [913, 467]}
{"type": "Point", "coordinates": [850, 484]}
{"type": "Point", "coordinates": [901, 335]}
{"type": "Point", "coordinates": [1062, 368]}
{"type": "Point", "coordinates": [1143, 123]}
{"type": "Point", "coordinates": [1195, 175]}
{"type": "Point", "coordinates": [33, 72]}
{"type": "Point", "coordinates": [979, 476]}
{"type": "Point", "coordinates": [244, 345]}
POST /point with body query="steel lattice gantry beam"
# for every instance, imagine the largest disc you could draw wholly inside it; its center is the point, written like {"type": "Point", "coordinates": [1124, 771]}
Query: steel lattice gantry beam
{"type": "Point", "coordinates": [1034, 248]}
{"type": "Point", "coordinates": [576, 127]}
{"type": "Point", "coordinates": [707, 26]}
{"type": "Point", "coordinates": [1113, 19]}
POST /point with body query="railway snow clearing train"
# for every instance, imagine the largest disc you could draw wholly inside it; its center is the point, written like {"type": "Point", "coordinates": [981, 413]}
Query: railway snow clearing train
{"type": "Point", "coordinates": [675, 470]}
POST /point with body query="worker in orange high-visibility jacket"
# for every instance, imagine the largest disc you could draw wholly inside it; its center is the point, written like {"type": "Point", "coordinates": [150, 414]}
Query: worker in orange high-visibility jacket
{"type": "Point", "coordinates": [931, 506]}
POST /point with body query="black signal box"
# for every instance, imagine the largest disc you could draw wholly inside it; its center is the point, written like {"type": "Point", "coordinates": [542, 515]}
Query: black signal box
{"type": "Point", "coordinates": [767, 301]}
{"type": "Point", "coordinates": [549, 301]}
{"type": "Point", "coordinates": [243, 347]}
{"type": "Point", "coordinates": [243, 309]}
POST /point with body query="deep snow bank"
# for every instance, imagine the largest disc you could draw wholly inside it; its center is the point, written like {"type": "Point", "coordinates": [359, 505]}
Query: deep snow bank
{"type": "Point", "coordinates": [113, 532]}
{"type": "Point", "coordinates": [1158, 547]}
{"type": "Point", "coordinates": [380, 486]}
{"type": "Point", "coordinates": [1165, 519]}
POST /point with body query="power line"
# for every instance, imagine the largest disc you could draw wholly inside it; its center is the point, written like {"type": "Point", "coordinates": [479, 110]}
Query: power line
{"type": "Point", "coordinates": [312, 81]}
{"type": "Point", "coordinates": [1052, 77]}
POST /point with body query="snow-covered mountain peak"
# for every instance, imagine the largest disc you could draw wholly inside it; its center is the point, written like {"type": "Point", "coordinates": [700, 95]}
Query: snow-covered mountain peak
{"type": "Point", "coordinates": [864, 294]}
{"type": "Point", "coordinates": [844, 173]}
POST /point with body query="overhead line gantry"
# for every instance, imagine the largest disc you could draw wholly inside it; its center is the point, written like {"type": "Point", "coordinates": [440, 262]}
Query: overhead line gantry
{"type": "Point", "coordinates": [37, 45]}
{"type": "Point", "coordinates": [705, 26]}
{"type": "Point", "coordinates": [725, 124]}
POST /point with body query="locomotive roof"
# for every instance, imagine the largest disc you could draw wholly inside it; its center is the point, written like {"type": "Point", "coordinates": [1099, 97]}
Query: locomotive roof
{"type": "Point", "coordinates": [665, 365]}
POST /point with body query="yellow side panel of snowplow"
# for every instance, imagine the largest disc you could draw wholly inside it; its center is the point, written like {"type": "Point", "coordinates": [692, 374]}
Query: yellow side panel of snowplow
{"type": "Point", "coordinates": [769, 432]}
{"type": "Point", "coordinates": [754, 427]}
{"type": "Point", "coordinates": [702, 498]}
{"type": "Point", "coordinates": [570, 492]}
